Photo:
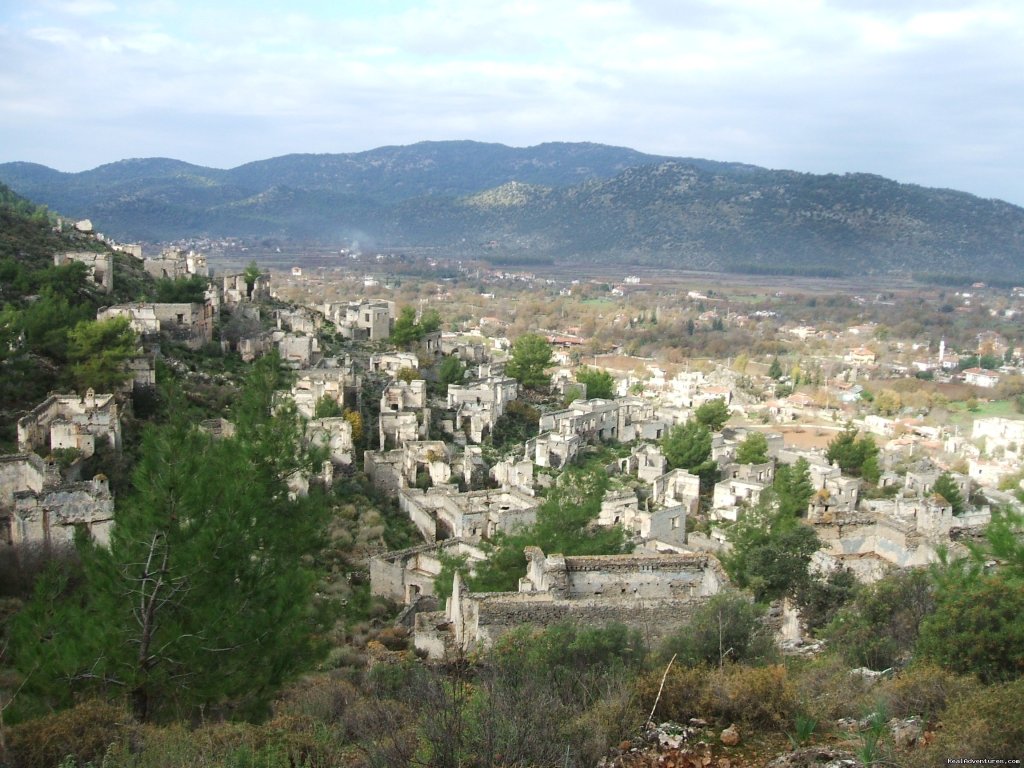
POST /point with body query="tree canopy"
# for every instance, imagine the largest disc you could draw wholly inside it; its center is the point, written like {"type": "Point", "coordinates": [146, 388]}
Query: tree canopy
{"type": "Point", "coordinates": [856, 456]}
{"type": "Point", "coordinates": [599, 383]}
{"type": "Point", "coordinates": [98, 351]}
{"type": "Point", "coordinates": [753, 449]}
{"type": "Point", "coordinates": [946, 487]}
{"type": "Point", "coordinates": [531, 355]}
{"type": "Point", "coordinates": [204, 597]}
{"type": "Point", "coordinates": [713, 414]}
{"type": "Point", "coordinates": [793, 487]}
{"type": "Point", "coordinates": [688, 446]}
{"type": "Point", "coordinates": [408, 329]}
{"type": "Point", "coordinates": [771, 550]}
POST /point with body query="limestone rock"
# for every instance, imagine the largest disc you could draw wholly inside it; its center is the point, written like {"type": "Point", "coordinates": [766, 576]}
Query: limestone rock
{"type": "Point", "coordinates": [815, 757]}
{"type": "Point", "coordinates": [730, 736]}
{"type": "Point", "coordinates": [906, 733]}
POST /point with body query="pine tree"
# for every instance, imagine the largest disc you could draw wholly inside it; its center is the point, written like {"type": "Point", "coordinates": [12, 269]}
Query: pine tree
{"type": "Point", "coordinates": [205, 595]}
{"type": "Point", "coordinates": [531, 354]}
{"type": "Point", "coordinates": [946, 487]}
{"type": "Point", "coordinates": [753, 449]}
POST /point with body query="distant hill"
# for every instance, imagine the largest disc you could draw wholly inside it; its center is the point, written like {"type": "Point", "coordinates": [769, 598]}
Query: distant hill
{"type": "Point", "coordinates": [561, 201]}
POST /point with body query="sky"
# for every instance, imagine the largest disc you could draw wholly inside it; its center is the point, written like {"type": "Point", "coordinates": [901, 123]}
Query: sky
{"type": "Point", "coordinates": [927, 92]}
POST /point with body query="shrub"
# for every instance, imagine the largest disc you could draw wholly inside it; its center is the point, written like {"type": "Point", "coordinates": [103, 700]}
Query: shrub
{"type": "Point", "coordinates": [879, 629]}
{"type": "Point", "coordinates": [988, 722]}
{"type": "Point", "coordinates": [84, 732]}
{"type": "Point", "coordinates": [923, 689]}
{"type": "Point", "coordinates": [726, 628]}
{"type": "Point", "coordinates": [324, 697]}
{"type": "Point", "coordinates": [826, 688]}
{"type": "Point", "coordinates": [978, 628]}
{"type": "Point", "coordinates": [682, 696]}
{"type": "Point", "coordinates": [762, 696]}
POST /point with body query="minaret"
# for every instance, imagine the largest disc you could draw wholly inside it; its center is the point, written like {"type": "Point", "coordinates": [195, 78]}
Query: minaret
{"type": "Point", "coordinates": [942, 351]}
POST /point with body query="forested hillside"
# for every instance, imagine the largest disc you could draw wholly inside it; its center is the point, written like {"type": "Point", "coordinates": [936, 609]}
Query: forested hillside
{"type": "Point", "coordinates": [561, 203]}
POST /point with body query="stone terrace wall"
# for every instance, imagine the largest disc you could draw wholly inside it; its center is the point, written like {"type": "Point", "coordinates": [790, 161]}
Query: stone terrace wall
{"type": "Point", "coordinates": [499, 613]}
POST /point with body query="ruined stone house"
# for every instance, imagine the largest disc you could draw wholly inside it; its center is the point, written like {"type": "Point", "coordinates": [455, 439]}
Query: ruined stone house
{"type": "Point", "coordinates": [888, 534]}
{"type": "Point", "coordinates": [391, 363]}
{"type": "Point", "coordinates": [646, 462]}
{"type": "Point", "coordinates": [444, 513]}
{"type": "Point", "coordinates": [478, 406]}
{"type": "Point", "coordinates": [366, 320]}
{"type": "Point", "coordinates": [299, 320]}
{"type": "Point", "coordinates": [550, 449]}
{"type": "Point", "coordinates": [38, 507]}
{"type": "Point", "coordinates": [390, 471]}
{"type": "Point", "coordinates": [404, 416]}
{"type": "Point", "coordinates": [408, 574]}
{"type": "Point", "coordinates": [175, 264]}
{"type": "Point", "coordinates": [190, 324]}
{"type": "Point", "coordinates": [332, 379]}
{"type": "Point", "coordinates": [101, 266]}
{"type": "Point", "coordinates": [71, 422]}
{"type": "Point", "coordinates": [333, 434]}
{"type": "Point", "coordinates": [654, 594]}
{"type": "Point", "coordinates": [236, 291]}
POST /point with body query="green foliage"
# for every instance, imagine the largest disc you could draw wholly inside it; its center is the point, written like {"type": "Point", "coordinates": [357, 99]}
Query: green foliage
{"type": "Point", "coordinates": [572, 648]}
{"type": "Point", "coordinates": [793, 488]}
{"type": "Point", "coordinates": [531, 354]}
{"type": "Point", "coordinates": [985, 721]}
{"type": "Point", "coordinates": [688, 446]}
{"type": "Point", "coordinates": [405, 330]}
{"type": "Point", "coordinates": [726, 628]}
{"type": "Point", "coordinates": [820, 599]}
{"type": "Point", "coordinates": [753, 449]}
{"type": "Point", "coordinates": [855, 456]}
{"type": "Point", "coordinates": [599, 384]}
{"type": "Point", "coordinates": [251, 275]}
{"type": "Point", "coordinates": [204, 597]}
{"type": "Point", "coordinates": [189, 290]}
{"type": "Point", "coordinates": [430, 322]}
{"type": "Point", "coordinates": [83, 733]}
{"type": "Point", "coordinates": [771, 551]}
{"type": "Point", "coordinates": [563, 526]}
{"type": "Point", "coordinates": [775, 369]}
{"type": "Point", "coordinates": [98, 351]}
{"type": "Point", "coordinates": [516, 425]}
{"type": "Point", "coordinates": [978, 629]}
{"type": "Point", "coordinates": [880, 627]}
{"type": "Point", "coordinates": [946, 487]}
{"type": "Point", "coordinates": [450, 371]}
{"type": "Point", "coordinates": [408, 375]}
{"type": "Point", "coordinates": [978, 623]}
{"type": "Point", "coordinates": [1004, 543]}
{"type": "Point", "coordinates": [756, 696]}
{"type": "Point", "coordinates": [713, 414]}
{"type": "Point", "coordinates": [327, 407]}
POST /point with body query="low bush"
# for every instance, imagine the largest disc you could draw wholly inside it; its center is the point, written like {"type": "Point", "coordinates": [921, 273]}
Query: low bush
{"type": "Point", "coordinates": [761, 696]}
{"type": "Point", "coordinates": [83, 733]}
{"type": "Point", "coordinates": [923, 689]}
{"type": "Point", "coordinates": [827, 690]}
{"type": "Point", "coordinates": [987, 722]}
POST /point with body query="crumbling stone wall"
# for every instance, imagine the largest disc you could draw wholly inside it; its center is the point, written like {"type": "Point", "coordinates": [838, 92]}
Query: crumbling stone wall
{"type": "Point", "coordinates": [101, 266]}
{"type": "Point", "coordinates": [662, 594]}
{"type": "Point", "coordinates": [70, 421]}
{"type": "Point", "coordinates": [51, 516]}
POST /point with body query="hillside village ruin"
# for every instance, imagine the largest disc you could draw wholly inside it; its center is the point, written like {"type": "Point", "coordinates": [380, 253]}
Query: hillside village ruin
{"type": "Point", "coordinates": [429, 454]}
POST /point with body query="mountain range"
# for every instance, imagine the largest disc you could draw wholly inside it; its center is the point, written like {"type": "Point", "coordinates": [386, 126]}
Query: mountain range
{"type": "Point", "coordinates": [561, 203]}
